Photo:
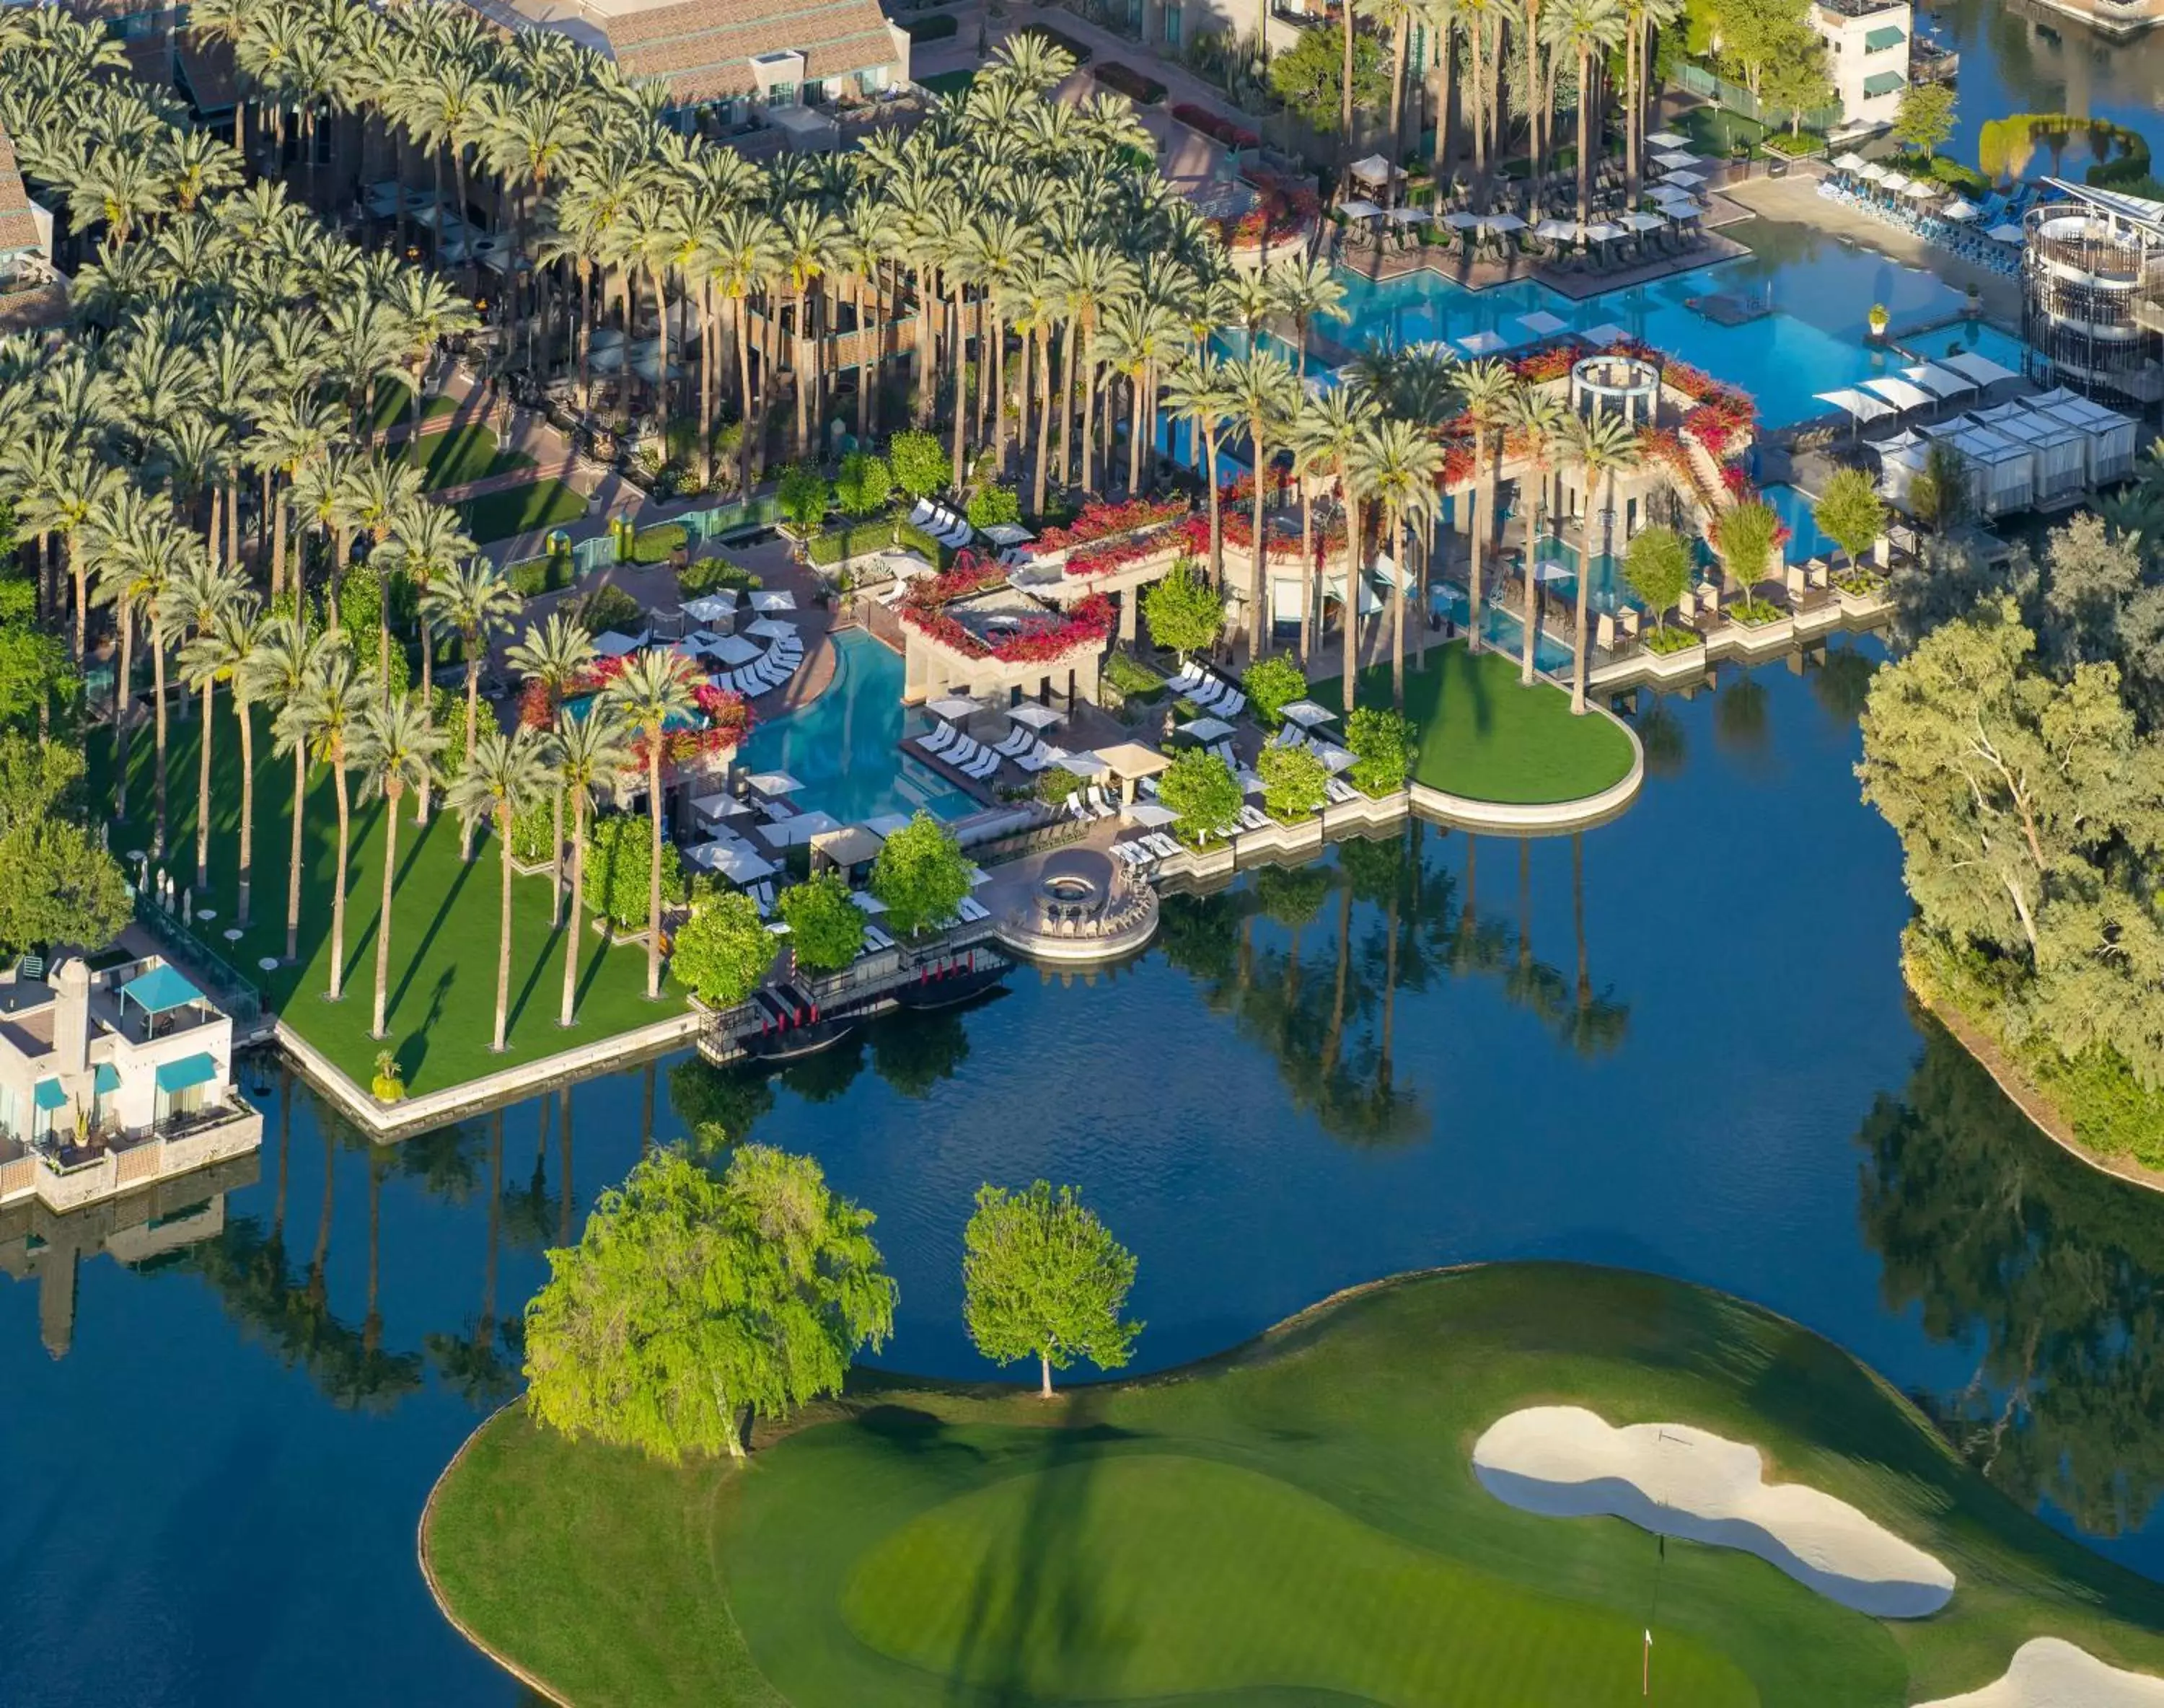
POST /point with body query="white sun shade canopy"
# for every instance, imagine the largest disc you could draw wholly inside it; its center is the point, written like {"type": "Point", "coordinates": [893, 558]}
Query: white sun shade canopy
{"type": "Point", "coordinates": [1902, 394]}
{"type": "Point", "coordinates": [1979, 368]}
{"type": "Point", "coordinates": [1861, 405]}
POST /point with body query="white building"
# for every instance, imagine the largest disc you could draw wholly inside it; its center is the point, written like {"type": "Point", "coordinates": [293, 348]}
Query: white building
{"type": "Point", "coordinates": [1866, 57]}
{"type": "Point", "coordinates": [113, 1081]}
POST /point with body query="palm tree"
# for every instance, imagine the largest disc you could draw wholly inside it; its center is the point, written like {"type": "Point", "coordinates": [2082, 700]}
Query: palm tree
{"type": "Point", "coordinates": [288, 656]}
{"type": "Point", "coordinates": [505, 775]}
{"type": "Point", "coordinates": [1535, 415]}
{"type": "Point", "coordinates": [1584, 29]}
{"type": "Point", "coordinates": [1199, 392]}
{"type": "Point", "coordinates": [1642, 20]}
{"type": "Point", "coordinates": [1487, 387]}
{"type": "Point", "coordinates": [396, 750]}
{"type": "Point", "coordinates": [428, 543]}
{"type": "Point", "coordinates": [1302, 287]}
{"type": "Point", "coordinates": [556, 655]}
{"type": "Point", "coordinates": [325, 720]}
{"type": "Point", "coordinates": [1269, 398]}
{"type": "Point", "coordinates": [1395, 464]}
{"type": "Point", "coordinates": [1088, 278]}
{"type": "Point", "coordinates": [742, 255]}
{"type": "Point", "coordinates": [475, 602]}
{"type": "Point", "coordinates": [1334, 424]}
{"type": "Point", "coordinates": [1603, 446]}
{"type": "Point", "coordinates": [206, 595]}
{"type": "Point", "coordinates": [591, 751]}
{"type": "Point", "coordinates": [227, 653]}
{"type": "Point", "coordinates": [375, 497]}
{"type": "Point", "coordinates": [653, 687]}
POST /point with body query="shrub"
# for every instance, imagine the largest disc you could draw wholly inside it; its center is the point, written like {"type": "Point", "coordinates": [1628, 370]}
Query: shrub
{"type": "Point", "coordinates": [921, 876]}
{"type": "Point", "coordinates": [723, 951]}
{"type": "Point", "coordinates": [1125, 80]}
{"type": "Point", "coordinates": [711, 575]}
{"type": "Point", "coordinates": [532, 828]}
{"type": "Point", "coordinates": [908, 535]}
{"type": "Point", "coordinates": [826, 927]}
{"type": "Point", "coordinates": [921, 464]}
{"type": "Point", "coordinates": [608, 606]}
{"type": "Point", "coordinates": [532, 576]}
{"type": "Point", "coordinates": [864, 484]}
{"type": "Point", "coordinates": [1272, 684]}
{"type": "Point", "coordinates": [937, 27]}
{"type": "Point", "coordinates": [1381, 743]}
{"type": "Point", "coordinates": [994, 506]}
{"type": "Point", "coordinates": [1054, 785]}
{"type": "Point", "coordinates": [1129, 677]}
{"type": "Point", "coordinates": [1294, 782]}
{"type": "Point", "coordinates": [802, 494]}
{"type": "Point", "coordinates": [619, 859]}
{"type": "Point", "coordinates": [652, 546]}
{"type": "Point", "coordinates": [1185, 610]}
{"type": "Point", "coordinates": [1201, 792]}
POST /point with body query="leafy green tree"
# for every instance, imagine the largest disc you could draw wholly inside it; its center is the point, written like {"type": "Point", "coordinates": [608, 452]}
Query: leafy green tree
{"type": "Point", "coordinates": [1798, 81]}
{"type": "Point", "coordinates": [994, 507]}
{"type": "Point", "coordinates": [36, 672]}
{"type": "Point", "coordinates": [803, 494]}
{"type": "Point", "coordinates": [38, 780]}
{"type": "Point", "coordinates": [1043, 1278]}
{"type": "Point", "coordinates": [921, 876]}
{"type": "Point", "coordinates": [1743, 535]}
{"type": "Point", "coordinates": [691, 1305]}
{"type": "Point", "coordinates": [1656, 564]}
{"type": "Point", "coordinates": [1755, 34]}
{"type": "Point", "coordinates": [618, 861]}
{"type": "Point", "coordinates": [1294, 781]}
{"type": "Point", "coordinates": [864, 485]}
{"type": "Point", "coordinates": [1272, 684]}
{"type": "Point", "coordinates": [61, 887]}
{"type": "Point", "coordinates": [1310, 78]}
{"type": "Point", "coordinates": [919, 463]}
{"type": "Point", "coordinates": [722, 950]}
{"type": "Point", "coordinates": [1184, 612]}
{"type": "Point", "coordinates": [1850, 513]}
{"type": "Point", "coordinates": [1202, 793]}
{"type": "Point", "coordinates": [1381, 743]}
{"type": "Point", "coordinates": [1925, 117]}
{"type": "Point", "coordinates": [826, 927]}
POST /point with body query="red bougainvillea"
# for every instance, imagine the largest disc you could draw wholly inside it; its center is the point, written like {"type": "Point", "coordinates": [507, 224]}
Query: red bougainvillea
{"type": "Point", "coordinates": [537, 706]}
{"type": "Point", "coordinates": [1118, 554]}
{"type": "Point", "coordinates": [1101, 520]}
{"type": "Point", "coordinates": [1041, 641]}
{"type": "Point", "coordinates": [970, 574]}
{"type": "Point", "coordinates": [1552, 363]}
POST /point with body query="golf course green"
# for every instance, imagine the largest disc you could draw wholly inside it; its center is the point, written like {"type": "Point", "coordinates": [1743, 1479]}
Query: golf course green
{"type": "Point", "coordinates": [1295, 1524]}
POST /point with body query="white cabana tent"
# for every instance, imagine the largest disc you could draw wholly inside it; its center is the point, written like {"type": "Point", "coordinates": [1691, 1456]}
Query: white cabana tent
{"type": "Point", "coordinates": [2062, 451]}
{"type": "Point", "coordinates": [1542, 323]}
{"type": "Point", "coordinates": [1861, 405]}
{"type": "Point", "coordinates": [736, 861]}
{"type": "Point", "coordinates": [1903, 394]}
{"type": "Point", "coordinates": [1360, 208]}
{"type": "Point", "coordinates": [1939, 381]}
{"type": "Point", "coordinates": [1979, 368]}
{"type": "Point", "coordinates": [1377, 171]}
{"type": "Point", "coordinates": [2002, 471]}
{"type": "Point", "coordinates": [2111, 435]}
{"type": "Point", "coordinates": [1900, 461]}
{"type": "Point", "coordinates": [1682, 208]}
{"type": "Point", "coordinates": [1371, 602]}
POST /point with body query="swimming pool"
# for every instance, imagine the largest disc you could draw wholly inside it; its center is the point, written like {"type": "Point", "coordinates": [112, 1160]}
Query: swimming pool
{"type": "Point", "coordinates": [842, 748]}
{"type": "Point", "coordinates": [1794, 507]}
{"type": "Point", "coordinates": [1812, 340]}
{"type": "Point", "coordinates": [1503, 630]}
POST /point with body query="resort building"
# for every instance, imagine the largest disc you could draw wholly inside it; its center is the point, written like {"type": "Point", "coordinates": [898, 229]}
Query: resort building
{"type": "Point", "coordinates": [112, 1079]}
{"type": "Point", "coordinates": [2093, 293]}
{"type": "Point", "coordinates": [731, 60]}
{"type": "Point", "coordinates": [1866, 56]}
{"type": "Point", "coordinates": [32, 294]}
{"type": "Point", "coordinates": [2119, 20]}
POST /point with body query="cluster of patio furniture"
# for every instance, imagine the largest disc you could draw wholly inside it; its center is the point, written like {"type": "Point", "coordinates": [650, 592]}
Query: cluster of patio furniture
{"type": "Point", "coordinates": [1023, 745]}
{"type": "Point", "coordinates": [755, 659]}
{"type": "Point", "coordinates": [1985, 234]}
{"type": "Point", "coordinates": [951, 530]}
{"type": "Point", "coordinates": [1196, 682]}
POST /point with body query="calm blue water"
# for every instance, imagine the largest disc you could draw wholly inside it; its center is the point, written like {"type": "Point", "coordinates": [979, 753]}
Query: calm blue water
{"type": "Point", "coordinates": [214, 1493]}
{"type": "Point", "coordinates": [1805, 540]}
{"type": "Point", "coordinates": [841, 747]}
{"type": "Point", "coordinates": [1812, 342]}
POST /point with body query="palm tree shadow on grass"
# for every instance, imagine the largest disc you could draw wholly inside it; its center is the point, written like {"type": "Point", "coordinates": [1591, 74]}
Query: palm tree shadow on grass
{"type": "Point", "coordinates": [413, 1049]}
{"type": "Point", "coordinates": [428, 941]}
{"type": "Point", "coordinates": [543, 960]}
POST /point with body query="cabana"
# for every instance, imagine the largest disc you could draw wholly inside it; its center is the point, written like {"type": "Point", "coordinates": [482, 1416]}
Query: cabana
{"type": "Point", "coordinates": [2002, 471]}
{"type": "Point", "coordinates": [736, 861]}
{"type": "Point", "coordinates": [1360, 208]}
{"type": "Point", "coordinates": [784, 833]}
{"type": "Point", "coordinates": [2111, 435]}
{"type": "Point", "coordinates": [2062, 451]}
{"type": "Point", "coordinates": [162, 990]}
{"type": "Point", "coordinates": [1939, 381]}
{"type": "Point", "coordinates": [1130, 761]}
{"type": "Point", "coordinates": [772, 784]}
{"type": "Point", "coordinates": [847, 848]}
{"type": "Point", "coordinates": [1377, 173]}
{"type": "Point", "coordinates": [1556, 231]}
{"type": "Point", "coordinates": [1600, 231]}
{"type": "Point", "coordinates": [1461, 220]}
{"type": "Point", "coordinates": [1864, 408]}
{"type": "Point", "coordinates": [1903, 394]}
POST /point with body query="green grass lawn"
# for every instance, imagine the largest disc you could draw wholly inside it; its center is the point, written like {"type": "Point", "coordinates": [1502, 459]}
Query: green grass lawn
{"type": "Point", "coordinates": [394, 405]}
{"type": "Point", "coordinates": [1486, 736]}
{"type": "Point", "coordinates": [519, 510]}
{"type": "Point", "coordinates": [444, 920]}
{"type": "Point", "coordinates": [1294, 1524]}
{"type": "Point", "coordinates": [464, 454]}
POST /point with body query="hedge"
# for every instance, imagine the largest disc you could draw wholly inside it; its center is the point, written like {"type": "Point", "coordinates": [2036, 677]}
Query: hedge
{"type": "Point", "coordinates": [652, 546]}
{"type": "Point", "coordinates": [543, 575]}
{"type": "Point", "coordinates": [1217, 129]}
{"type": "Point", "coordinates": [855, 540]}
{"type": "Point", "coordinates": [937, 27]}
{"type": "Point", "coordinates": [1125, 80]}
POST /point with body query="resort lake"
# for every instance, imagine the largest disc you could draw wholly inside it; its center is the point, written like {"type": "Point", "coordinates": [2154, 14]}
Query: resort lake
{"type": "Point", "coordinates": [1678, 1041]}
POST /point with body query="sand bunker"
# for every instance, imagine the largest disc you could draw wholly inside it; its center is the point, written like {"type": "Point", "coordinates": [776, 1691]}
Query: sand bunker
{"type": "Point", "coordinates": [1564, 1462]}
{"type": "Point", "coordinates": [2049, 1673]}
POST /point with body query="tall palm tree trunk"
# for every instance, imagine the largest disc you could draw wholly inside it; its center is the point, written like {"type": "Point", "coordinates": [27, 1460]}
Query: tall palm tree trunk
{"type": "Point", "coordinates": [1397, 610]}
{"type": "Point", "coordinates": [1043, 418]}
{"type": "Point", "coordinates": [654, 872]}
{"type": "Point", "coordinates": [392, 789]}
{"type": "Point", "coordinates": [293, 858]}
{"type": "Point", "coordinates": [247, 722]}
{"type": "Point", "coordinates": [338, 895]}
{"type": "Point", "coordinates": [157, 687]}
{"type": "Point", "coordinates": [202, 793]}
{"type": "Point", "coordinates": [1258, 577]}
{"type": "Point", "coordinates": [473, 719]}
{"type": "Point", "coordinates": [503, 924]}
{"type": "Point", "coordinates": [1352, 606]}
{"type": "Point", "coordinates": [1532, 623]}
{"type": "Point", "coordinates": [578, 896]}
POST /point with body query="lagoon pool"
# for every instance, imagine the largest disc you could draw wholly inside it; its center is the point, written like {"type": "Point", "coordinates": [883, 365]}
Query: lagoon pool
{"type": "Point", "coordinates": [1812, 340]}
{"type": "Point", "coordinates": [1805, 540]}
{"type": "Point", "coordinates": [842, 746]}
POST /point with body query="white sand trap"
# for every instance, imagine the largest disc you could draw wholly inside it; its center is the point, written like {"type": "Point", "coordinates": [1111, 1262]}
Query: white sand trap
{"type": "Point", "coordinates": [1565, 1462]}
{"type": "Point", "coordinates": [2048, 1672]}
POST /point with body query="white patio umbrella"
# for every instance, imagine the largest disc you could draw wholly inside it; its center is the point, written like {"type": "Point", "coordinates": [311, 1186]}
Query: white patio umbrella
{"type": "Point", "coordinates": [720, 804]}
{"type": "Point", "coordinates": [1873, 170]}
{"type": "Point", "coordinates": [732, 650]}
{"type": "Point", "coordinates": [736, 861]}
{"type": "Point", "coordinates": [1410, 216]}
{"type": "Point", "coordinates": [1085, 764]}
{"type": "Point", "coordinates": [612, 645]}
{"type": "Point", "coordinates": [774, 599]}
{"type": "Point", "coordinates": [1335, 758]}
{"type": "Point", "coordinates": [786, 832]}
{"type": "Point", "coordinates": [1556, 231]}
{"type": "Point", "coordinates": [1683, 210]}
{"type": "Point", "coordinates": [1207, 729]}
{"type": "Point", "coordinates": [1667, 139]}
{"type": "Point", "coordinates": [772, 783]}
{"type": "Point", "coordinates": [2007, 233]}
{"type": "Point", "coordinates": [1959, 211]}
{"type": "Point", "coordinates": [1600, 231]}
{"type": "Point", "coordinates": [1151, 815]}
{"type": "Point", "coordinates": [1675, 159]}
{"type": "Point", "coordinates": [1461, 220]}
{"type": "Point", "coordinates": [1850, 162]}
{"type": "Point", "coordinates": [713, 607]}
{"type": "Point", "coordinates": [1360, 208]}
{"type": "Point", "coordinates": [1376, 170]}
{"type": "Point", "coordinates": [1919, 191]}
{"type": "Point", "coordinates": [1035, 716]}
{"type": "Point", "coordinates": [1306, 714]}
{"type": "Point", "coordinates": [1542, 323]}
{"type": "Point", "coordinates": [1501, 223]}
{"type": "Point", "coordinates": [1643, 222]}
{"type": "Point", "coordinates": [770, 629]}
{"type": "Point", "coordinates": [954, 707]}
{"type": "Point", "coordinates": [1683, 179]}
{"type": "Point", "coordinates": [1894, 183]}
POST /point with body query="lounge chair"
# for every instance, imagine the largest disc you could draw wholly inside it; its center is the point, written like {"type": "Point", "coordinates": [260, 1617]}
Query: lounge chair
{"type": "Point", "coordinates": [1163, 844]}
{"type": "Point", "coordinates": [1339, 789]}
{"type": "Point", "coordinates": [1206, 693]}
{"type": "Point", "coordinates": [972, 910]}
{"type": "Point", "coordinates": [1233, 705]}
{"type": "Point", "coordinates": [937, 739]}
{"type": "Point", "coordinates": [1099, 805]}
{"type": "Point", "coordinates": [876, 939]}
{"type": "Point", "coordinates": [987, 762]}
{"type": "Point", "coordinates": [921, 515]}
{"type": "Point", "coordinates": [1223, 750]}
{"type": "Point", "coordinates": [1186, 677]}
{"type": "Point", "coordinates": [1076, 809]}
{"type": "Point", "coordinates": [1017, 742]}
{"type": "Point", "coordinates": [1039, 757]}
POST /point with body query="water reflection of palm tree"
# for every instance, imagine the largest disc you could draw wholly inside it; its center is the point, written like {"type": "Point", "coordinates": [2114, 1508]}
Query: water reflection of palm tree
{"type": "Point", "coordinates": [564, 1200]}
{"type": "Point", "coordinates": [1530, 983]}
{"type": "Point", "coordinates": [530, 1210]}
{"type": "Point", "coordinates": [1661, 733]}
{"type": "Point", "coordinates": [473, 1365]}
{"type": "Point", "coordinates": [1595, 1025]}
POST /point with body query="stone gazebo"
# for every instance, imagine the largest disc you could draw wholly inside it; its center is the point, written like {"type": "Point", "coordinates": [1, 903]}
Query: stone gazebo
{"type": "Point", "coordinates": [994, 642]}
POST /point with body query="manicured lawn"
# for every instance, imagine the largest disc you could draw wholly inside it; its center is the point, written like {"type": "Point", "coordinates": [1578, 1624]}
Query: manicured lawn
{"type": "Point", "coordinates": [519, 510]}
{"type": "Point", "coordinates": [445, 921]}
{"type": "Point", "coordinates": [394, 405]}
{"type": "Point", "coordinates": [1486, 736]}
{"type": "Point", "coordinates": [1293, 1523]}
{"type": "Point", "coordinates": [464, 454]}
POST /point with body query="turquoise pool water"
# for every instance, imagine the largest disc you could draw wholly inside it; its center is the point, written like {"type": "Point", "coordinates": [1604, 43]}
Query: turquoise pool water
{"type": "Point", "coordinates": [1794, 507]}
{"type": "Point", "coordinates": [1502, 629]}
{"type": "Point", "coordinates": [579, 705]}
{"type": "Point", "coordinates": [841, 747]}
{"type": "Point", "coordinates": [1812, 341]}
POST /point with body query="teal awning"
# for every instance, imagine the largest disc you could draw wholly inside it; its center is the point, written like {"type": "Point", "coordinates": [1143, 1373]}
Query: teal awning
{"type": "Point", "coordinates": [107, 1081]}
{"type": "Point", "coordinates": [1881, 39]}
{"type": "Point", "coordinates": [1882, 82]}
{"type": "Point", "coordinates": [189, 1070]}
{"type": "Point", "coordinates": [50, 1095]}
{"type": "Point", "coordinates": [160, 990]}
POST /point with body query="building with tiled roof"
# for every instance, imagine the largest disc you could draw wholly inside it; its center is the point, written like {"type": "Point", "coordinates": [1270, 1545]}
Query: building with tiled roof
{"type": "Point", "coordinates": [22, 232]}
{"type": "Point", "coordinates": [716, 50]}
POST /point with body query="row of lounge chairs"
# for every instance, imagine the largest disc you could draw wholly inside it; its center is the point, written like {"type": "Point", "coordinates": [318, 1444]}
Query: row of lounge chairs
{"type": "Point", "coordinates": [943, 524]}
{"type": "Point", "coordinates": [978, 760]}
{"type": "Point", "coordinates": [1211, 692]}
{"type": "Point", "coordinates": [1142, 851]}
{"type": "Point", "coordinates": [1092, 802]}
